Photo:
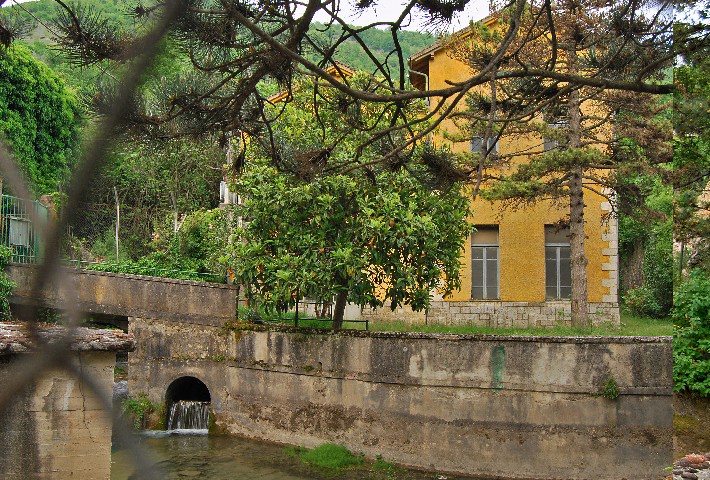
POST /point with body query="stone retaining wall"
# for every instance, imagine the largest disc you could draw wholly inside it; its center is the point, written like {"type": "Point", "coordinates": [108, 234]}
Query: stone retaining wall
{"type": "Point", "coordinates": [495, 406]}
{"type": "Point", "coordinates": [495, 314]}
{"type": "Point", "coordinates": [517, 314]}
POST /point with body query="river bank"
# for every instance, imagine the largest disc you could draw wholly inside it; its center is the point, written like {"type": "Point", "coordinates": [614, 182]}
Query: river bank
{"type": "Point", "coordinates": [691, 425]}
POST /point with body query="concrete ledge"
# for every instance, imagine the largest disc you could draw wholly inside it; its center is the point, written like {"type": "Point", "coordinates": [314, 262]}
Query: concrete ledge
{"type": "Point", "coordinates": [55, 427]}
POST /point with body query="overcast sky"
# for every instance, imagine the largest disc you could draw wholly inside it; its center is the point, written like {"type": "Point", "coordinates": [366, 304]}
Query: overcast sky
{"type": "Point", "coordinates": [389, 10]}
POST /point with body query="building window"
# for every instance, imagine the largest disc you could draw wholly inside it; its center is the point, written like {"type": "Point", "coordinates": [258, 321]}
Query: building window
{"type": "Point", "coordinates": [485, 271]}
{"type": "Point", "coordinates": [477, 144]}
{"type": "Point", "coordinates": [558, 271]}
{"type": "Point", "coordinates": [554, 141]}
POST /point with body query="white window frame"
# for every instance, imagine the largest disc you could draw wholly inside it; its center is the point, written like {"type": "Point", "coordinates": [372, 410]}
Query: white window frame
{"type": "Point", "coordinates": [558, 271]}
{"type": "Point", "coordinates": [477, 143]}
{"type": "Point", "coordinates": [484, 270]}
{"type": "Point", "coordinates": [553, 144]}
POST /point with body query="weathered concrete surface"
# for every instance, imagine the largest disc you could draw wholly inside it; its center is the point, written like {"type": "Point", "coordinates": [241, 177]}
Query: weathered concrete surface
{"type": "Point", "coordinates": [495, 406]}
{"type": "Point", "coordinates": [56, 427]}
{"type": "Point", "coordinates": [129, 295]}
{"type": "Point", "coordinates": [18, 338]}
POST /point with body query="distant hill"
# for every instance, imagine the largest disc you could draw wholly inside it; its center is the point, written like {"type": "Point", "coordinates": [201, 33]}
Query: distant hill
{"type": "Point", "coordinates": [380, 42]}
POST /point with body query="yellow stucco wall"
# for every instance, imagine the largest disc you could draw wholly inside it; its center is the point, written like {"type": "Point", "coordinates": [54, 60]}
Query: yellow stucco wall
{"type": "Point", "coordinates": [521, 231]}
{"type": "Point", "coordinates": [522, 249]}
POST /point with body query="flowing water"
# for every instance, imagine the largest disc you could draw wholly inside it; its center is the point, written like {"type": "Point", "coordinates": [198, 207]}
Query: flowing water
{"type": "Point", "coordinates": [189, 415]}
{"type": "Point", "coordinates": [178, 455]}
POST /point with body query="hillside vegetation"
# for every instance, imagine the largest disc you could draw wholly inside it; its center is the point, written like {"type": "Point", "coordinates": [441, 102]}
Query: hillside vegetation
{"type": "Point", "coordinates": [119, 13]}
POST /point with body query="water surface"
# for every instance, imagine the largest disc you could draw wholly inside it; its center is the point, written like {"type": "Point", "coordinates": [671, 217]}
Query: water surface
{"type": "Point", "coordinates": [183, 456]}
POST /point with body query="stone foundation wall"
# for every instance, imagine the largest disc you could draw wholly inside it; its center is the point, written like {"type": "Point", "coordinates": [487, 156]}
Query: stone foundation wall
{"type": "Point", "coordinates": [517, 314]}
{"type": "Point", "coordinates": [495, 314]}
{"type": "Point", "coordinates": [494, 406]}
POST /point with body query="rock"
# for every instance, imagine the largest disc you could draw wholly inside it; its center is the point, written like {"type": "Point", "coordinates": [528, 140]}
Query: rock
{"type": "Point", "coordinates": [120, 391]}
{"type": "Point", "coordinates": [689, 476]}
{"type": "Point", "coordinates": [682, 463]}
{"type": "Point", "coordinates": [692, 470]}
{"type": "Point", "coordinates": [702, 466]}
{"type": "Point", "coordinates": [677, 472]}
{"type": "Point", "coordinates": [196, 473]}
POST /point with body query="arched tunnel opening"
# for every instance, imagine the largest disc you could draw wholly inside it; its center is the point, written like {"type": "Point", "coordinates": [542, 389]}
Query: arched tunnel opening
{"type": "Point", "coordinates": [188, 403]}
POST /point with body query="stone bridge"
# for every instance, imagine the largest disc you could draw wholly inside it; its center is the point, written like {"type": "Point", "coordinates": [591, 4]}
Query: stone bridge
{"type": "Point", "coordinates": [124, 295]}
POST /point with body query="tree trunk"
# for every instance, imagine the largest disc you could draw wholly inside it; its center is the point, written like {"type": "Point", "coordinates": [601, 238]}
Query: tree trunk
{"type": "Point", "coordinates": [580, 315]}
{"type": "Point", "coordinates": [339, 311]}
{"type": "Point", "coordinates": [631, 266]}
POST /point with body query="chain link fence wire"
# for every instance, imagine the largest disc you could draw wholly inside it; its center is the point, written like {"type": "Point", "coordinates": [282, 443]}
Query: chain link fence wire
{"type": "Point", "coordinates": [91, 236]}
{"type": "Point", "coordinates": [93, 241]}
{"type": "Point", "coordinates": [28, 369]}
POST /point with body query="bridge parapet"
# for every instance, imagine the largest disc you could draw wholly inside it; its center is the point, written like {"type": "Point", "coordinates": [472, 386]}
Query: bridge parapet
{"type": "Point", "coordinates": [128, 295]}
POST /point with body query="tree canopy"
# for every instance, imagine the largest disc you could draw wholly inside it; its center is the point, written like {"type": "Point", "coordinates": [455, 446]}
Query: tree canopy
{"type": "Point", "coordinates": [338, 236]}
{"type": "Point", "coordinates": [39, 119]}
{"type": "Point", "coordinates": [234, 46]}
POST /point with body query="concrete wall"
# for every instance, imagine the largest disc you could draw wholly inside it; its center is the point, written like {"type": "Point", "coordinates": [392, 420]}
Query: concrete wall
{"type": "Point", "coordinates": [56, 429]}
{"type": "Point", "coordinates": [500, 407]}
{"type": "Point", "coordinates": [129, 295]}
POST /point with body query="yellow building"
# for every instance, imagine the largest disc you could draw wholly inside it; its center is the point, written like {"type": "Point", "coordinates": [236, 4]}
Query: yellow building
{"type": "Point", "coordinates": [516, 268]}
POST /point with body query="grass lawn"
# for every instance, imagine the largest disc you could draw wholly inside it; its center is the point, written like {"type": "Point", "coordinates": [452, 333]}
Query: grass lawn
{"type": "Point", "coordinates": [630, 325]}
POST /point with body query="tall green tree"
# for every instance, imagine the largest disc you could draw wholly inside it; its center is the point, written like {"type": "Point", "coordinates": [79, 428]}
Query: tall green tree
{"type": "Point", "coordinates": [40, 118]}
{"type": "Point", "coordinates": [314, 231]}
{"type": "Point", "coordinates": [367, 242]}
{"type": "Point", "coordinates": [691, 160]}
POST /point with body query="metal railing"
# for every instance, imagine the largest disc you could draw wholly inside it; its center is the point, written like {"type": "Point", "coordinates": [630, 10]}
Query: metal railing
{"type": "Point", "coordinates": [17, 230]}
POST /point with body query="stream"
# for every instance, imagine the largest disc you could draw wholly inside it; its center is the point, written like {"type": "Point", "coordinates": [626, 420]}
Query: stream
{"type": "Point", "coordinates": [182, 454]}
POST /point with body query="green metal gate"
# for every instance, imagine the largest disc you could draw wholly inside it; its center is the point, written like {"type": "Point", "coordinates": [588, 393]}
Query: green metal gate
{"type": "Point", "coordinates": [17, 230]}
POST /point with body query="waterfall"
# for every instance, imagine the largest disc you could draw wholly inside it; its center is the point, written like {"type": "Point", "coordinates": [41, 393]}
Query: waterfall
{"type": "Point", "coordinates": [189, 415]}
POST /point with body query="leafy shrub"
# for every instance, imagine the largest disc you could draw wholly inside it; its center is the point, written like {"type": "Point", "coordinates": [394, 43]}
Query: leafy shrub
{"type": "Point", "coordinates": [691, 345]}
{"type": "Point", "coordinates": [138, 409]}
{"type": "Point", "coordinates": [105, 247]}
{"type": "Point", "coordinates": [191, 253]}
{"type": "Point", "coordinates": [643, 301]}
{"type": "Point", "coordinates": [6, 285]}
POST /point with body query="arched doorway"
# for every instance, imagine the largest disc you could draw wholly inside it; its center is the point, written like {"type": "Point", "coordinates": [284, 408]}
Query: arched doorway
{"type": "Point", "coordinates": [188, 403]}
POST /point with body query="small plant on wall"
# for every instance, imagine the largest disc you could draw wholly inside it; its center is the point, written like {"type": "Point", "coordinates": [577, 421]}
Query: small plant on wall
{"type": "Point", "coordinates": [610, 389]}
{"type": "Point", "coordinates": [6, 285]}
{"type": "Point", "coordinates": [138, 410]}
